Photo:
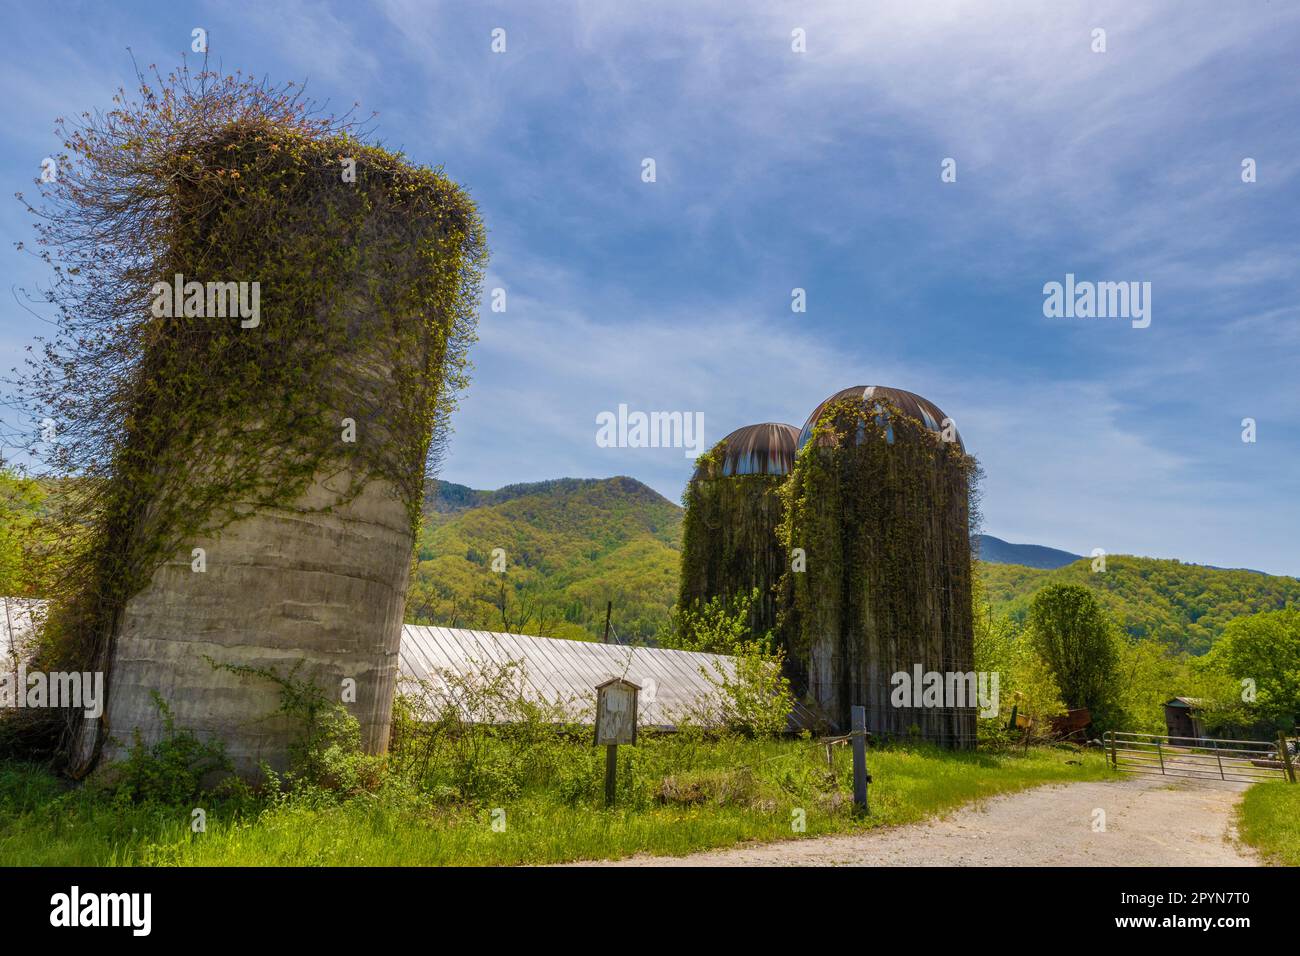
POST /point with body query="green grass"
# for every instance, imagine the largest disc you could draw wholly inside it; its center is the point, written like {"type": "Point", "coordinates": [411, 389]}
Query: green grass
{"type": "Point", "coordinates": [679, 796]}
{"type": "Point", "coordinates": [1268, 819]}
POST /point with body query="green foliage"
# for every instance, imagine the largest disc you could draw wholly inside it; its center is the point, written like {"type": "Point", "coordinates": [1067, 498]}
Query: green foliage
{"type": "Point", "coordinates": [23, 548]}
{"type": "Point", "coordinates": [1025, 682]}
{"type": "Point", "coordinates": [1264, 649]}
{"type": "Point", "coordinates": [175, 770]}
{"type": "Point", "coordinates": [475, 736]}
{"type": "Point", "coordinates": [720, 625]}
{"type": "Point", "coordinates": [326, 760]}
{"type": "Point", "coordinates": [569, 547]}
{"type": "Point", "coordinates": [1146, 676]}
{"type": "Point", "coordinates": [1075, 638]}
{"type": "Point", "coordinates": [752, 693]}
{"type": "Point", "coordinates": [1183, 607]}
{"type": "Point", "coordinates": [730, 545]}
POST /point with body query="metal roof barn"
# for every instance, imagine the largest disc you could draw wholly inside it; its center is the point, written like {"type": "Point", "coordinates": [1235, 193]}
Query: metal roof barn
{"type": "Point", "coordinates": [19, 620]}
{"type": "Point", "coordinates": [565, 673]}
{"type": "Point", "coordinates": [553, 672]}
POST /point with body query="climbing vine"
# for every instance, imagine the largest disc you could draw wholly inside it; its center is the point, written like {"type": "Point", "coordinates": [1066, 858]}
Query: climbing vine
{"type": "Point", "coordinates": [169, 425]}
{"type": "Point", "coordinates": [880, 506]}
{"type": "Point", "coordinates": [729, 542]}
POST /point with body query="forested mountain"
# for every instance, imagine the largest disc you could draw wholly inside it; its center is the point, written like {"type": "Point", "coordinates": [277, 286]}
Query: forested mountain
{"type": "Point", "coordinates": [1184, 606]}
{"type": "Point", "coordinates": [567, 547]}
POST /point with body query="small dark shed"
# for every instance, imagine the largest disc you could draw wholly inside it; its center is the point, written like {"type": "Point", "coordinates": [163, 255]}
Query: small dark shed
{"type": "Point", "coordinates": [1181, 719]}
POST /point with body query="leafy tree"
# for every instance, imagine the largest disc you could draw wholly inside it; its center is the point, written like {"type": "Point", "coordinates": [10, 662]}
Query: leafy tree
{"type": "Point", "coordinates": [1264, 649]}
{"type": "Point", "coordinates": [1024, 680]}
{"type": "Point", "coordinates": [1077, 640]}
{"type": "Point", "coordinates": [752, 696]}
{"type": "Point", "coordinates": [1035, 690]}
{"type": "Point", "coordinates": [21, 501]}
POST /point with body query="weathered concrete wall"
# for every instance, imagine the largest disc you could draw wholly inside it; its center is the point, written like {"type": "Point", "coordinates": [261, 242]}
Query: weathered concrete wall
{"type": "Point", "coordinates": [326, 589]}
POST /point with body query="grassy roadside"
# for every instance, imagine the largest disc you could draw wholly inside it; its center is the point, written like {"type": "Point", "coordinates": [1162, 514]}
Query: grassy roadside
{"type": "Point", "coordinates": [1268, 818]}
{"type": "Point", "coordinates": [680, 796]}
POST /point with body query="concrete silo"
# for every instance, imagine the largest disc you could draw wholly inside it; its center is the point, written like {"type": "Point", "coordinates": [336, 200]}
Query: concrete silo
{"type": "Point", "coordinates": [262, 508]}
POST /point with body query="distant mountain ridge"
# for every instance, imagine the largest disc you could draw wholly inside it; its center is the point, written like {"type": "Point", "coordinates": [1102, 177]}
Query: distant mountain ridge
{"type": "Point", "coordinates": [996, 551]}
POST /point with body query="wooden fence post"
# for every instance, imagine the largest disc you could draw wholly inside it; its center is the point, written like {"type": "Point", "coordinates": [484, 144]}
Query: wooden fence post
{"type": "Point", "coordinates": [860, 776]}
{"type": "Point", "coordinates": [1114, 759]}
{"type": "Point", "coordinates": [611, 773]}
{"type": "Point", "coordinates": [1285, 755]}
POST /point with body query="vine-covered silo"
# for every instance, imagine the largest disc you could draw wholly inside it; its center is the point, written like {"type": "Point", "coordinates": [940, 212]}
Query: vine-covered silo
{"type": "Point", "coordinates": [729, 535]}
{"type": "Point", "coordinates": [879, 502]}
{"type": "Point", "coordinates": [258, 518]}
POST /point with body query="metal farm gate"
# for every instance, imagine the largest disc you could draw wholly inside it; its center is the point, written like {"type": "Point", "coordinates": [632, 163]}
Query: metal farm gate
{"type": "Point", "coordinates": [1203, 758]}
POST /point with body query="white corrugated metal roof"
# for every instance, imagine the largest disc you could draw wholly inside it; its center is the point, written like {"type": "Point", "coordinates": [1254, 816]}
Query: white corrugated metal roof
{"type": "Point", "coordinates": [564, 674]}
{"type": "Point", "coordinates": [18, 620]}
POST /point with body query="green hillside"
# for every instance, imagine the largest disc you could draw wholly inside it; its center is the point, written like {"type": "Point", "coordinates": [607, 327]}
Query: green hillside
{"type": "Point", "coordinates": [569, 546]}
{"type": "Point", "coordinates": [1184, 606]}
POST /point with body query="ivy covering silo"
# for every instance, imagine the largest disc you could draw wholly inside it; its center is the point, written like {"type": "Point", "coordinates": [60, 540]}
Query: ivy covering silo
{"type": "Point", "coordinates": [730, 547]}
{"type": "Point", "coordinates": [280, 315]}
{"type": "Point", "coordinates": [879, 502]}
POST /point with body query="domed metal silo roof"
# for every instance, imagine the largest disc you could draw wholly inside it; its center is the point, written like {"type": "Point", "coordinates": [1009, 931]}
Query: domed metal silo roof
{"type": "Point", "coordinates": [909, 403]}
{"type": "Point", "coordinates": [766, 449]}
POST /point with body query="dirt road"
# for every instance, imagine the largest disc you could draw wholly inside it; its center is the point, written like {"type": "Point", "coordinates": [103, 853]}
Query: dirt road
{"type": "Point", "coordinates": [1149, 821]}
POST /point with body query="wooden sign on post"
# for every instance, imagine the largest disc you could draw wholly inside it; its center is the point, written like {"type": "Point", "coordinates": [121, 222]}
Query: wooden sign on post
{"type": "Point", "coordinates": [615, 724]}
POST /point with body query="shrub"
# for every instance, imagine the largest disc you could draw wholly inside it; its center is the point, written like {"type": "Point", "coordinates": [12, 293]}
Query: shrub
{"type": "Point", "coordinates": [174, 769]}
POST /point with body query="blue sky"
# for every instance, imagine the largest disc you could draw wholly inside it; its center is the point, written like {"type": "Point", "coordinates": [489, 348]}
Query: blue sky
{"type": "Point", "coordinates": [821, 170]}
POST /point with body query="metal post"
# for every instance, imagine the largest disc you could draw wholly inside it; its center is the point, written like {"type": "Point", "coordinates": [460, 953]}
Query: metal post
{"type": "Point", "coordinates": [1161, 754]}
{"type": "Point", "coordinates": [1285, 755]}
{"type": "Point", "coordinates": [611, 772]}
{"type": "Point", "coordinates": [860, 776]}
{"type": "Point", "coordinates": [1219, 756]}
{"type": "Point", "coordinates": [1114, 758]}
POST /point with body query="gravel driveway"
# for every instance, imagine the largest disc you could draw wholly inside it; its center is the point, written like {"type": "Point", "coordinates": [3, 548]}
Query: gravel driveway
{"type": "Point", "coordinates": [1149, 821]}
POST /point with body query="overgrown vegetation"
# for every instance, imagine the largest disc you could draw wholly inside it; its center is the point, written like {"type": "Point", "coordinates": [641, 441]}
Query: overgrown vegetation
{"type": "Point", "coordinates": [752, 690]}
{"type": "Point", "coordinates": [228, 180]}
{"type": "Point", "coordinates": [874, 481]}
{"type": "Point", "coordinates": [730, 545]}
{"type": "Point", "coordinates": [677, 794]}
